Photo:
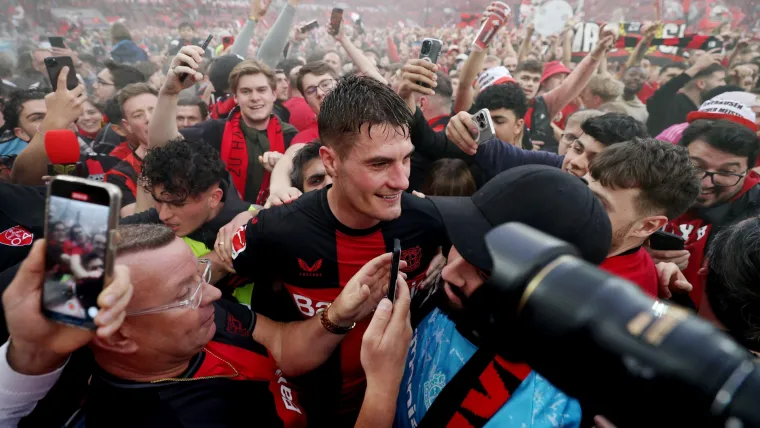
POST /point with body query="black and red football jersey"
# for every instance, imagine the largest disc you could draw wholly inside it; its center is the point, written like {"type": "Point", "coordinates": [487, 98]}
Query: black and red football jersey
{"type": "Point", "coordinates": [210, 394]}
{"type": "Point", "coordinates": [303, 246]}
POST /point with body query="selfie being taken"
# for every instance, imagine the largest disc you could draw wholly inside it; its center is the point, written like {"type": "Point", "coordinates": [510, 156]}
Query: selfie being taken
{"type": "Point", "coordinates": [427, 213]}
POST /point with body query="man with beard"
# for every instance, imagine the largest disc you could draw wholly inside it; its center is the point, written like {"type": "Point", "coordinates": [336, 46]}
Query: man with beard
{"type": "Point", "coordinates": [724, 154]}
{"type": "Point", "coordinates": [448, 379]}
{"type": "Point", "coordinates": [642, 184]}
{"type": "Point", "coordinates": [684, 93]}
{"type": "Point", "coordinates": [634, 79]}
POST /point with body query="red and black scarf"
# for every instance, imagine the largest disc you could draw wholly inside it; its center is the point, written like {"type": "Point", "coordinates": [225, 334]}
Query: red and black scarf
{"type": "Point", "coordinates": [235, 153]}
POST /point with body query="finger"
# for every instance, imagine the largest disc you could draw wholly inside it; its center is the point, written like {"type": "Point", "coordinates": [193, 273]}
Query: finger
{"type": "Point", "coordinates": [79, 90]}
{"type": "Point", "coordinates": [683, 285]}
{"type": "Point", "coordinates": [466, 136]}
{"type": "Point", "coordinates": [375, 264]}
{"type": "Point", "coordinates": [187, 60]}
{"type": "Point", "coordinates": [194, 52]}
{"type": "Point", "coordinates": [111, 327]}
{"type": "Point", "coordinates": [78, 101]}
{"type": "Point", "coordinates": [379, 322]}
{"type": "Point", "coordinates": [30, 273]}
{"type": "Point", "coordinates": [183, 69]}
{"type": "Point", "coordinates": [108, 314]}
{"type": "Point", "coordinates": [418, 194]}
{"type": "Point", "coordinates": [62, 76]}
{"type": "Point", "coordinates": [261, 160]}
{"type": "Point", "coordinates": [116, 290]}
{"type": "Point", "coordinates": [425, 69]}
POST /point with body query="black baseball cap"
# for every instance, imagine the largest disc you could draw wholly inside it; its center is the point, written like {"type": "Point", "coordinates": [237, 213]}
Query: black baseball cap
{"type": "Point", "coordinates": [542, 197]}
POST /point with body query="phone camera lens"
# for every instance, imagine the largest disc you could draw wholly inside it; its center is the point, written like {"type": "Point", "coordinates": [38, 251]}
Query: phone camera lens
{"type": "Point", "coordinates": [425, 47]}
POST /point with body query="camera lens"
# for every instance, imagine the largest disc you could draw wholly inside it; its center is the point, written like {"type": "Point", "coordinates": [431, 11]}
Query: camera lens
{"type": "Point", "coordinates": [425, 47]}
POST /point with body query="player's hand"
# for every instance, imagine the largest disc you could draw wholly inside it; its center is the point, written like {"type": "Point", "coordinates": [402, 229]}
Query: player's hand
{"type": "Point", "coordinates": [460, 131]}
{"type": "Point", "coordinates": [364, 291]}
{"type": "Point", "coordinates": [386, 343]}
{"type": "Point", "coordinates": [679, 257]}
{"type": "Point", "coordinates": [282, 197]}
{"type": "Point", "coordinates": [185, 63]}
{"type": "Point", "coordinates": [269, 159]}
{"type": "Point", "coordinates": [671, 280]}
{"type": "Point", "coordinates": [38, 345]}
{"type": "Point", "coordinates": [64, 106]}
{"type": "Point", "coordinates": [223, 244]}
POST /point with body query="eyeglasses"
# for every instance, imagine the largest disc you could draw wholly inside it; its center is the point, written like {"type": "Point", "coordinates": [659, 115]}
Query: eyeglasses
{"type": "Point", "coordinates": [103, 82]}
{"type": "Point", "coordinates": [725, 179]}
{"type": "Point", "coordinates": [325, 85]}
{"type": "Point", "coordinates": [193, 297]}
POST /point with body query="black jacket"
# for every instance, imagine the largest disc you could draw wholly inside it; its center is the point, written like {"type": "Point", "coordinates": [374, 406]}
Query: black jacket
{"type": "Point", "coordinates": [667, 107]}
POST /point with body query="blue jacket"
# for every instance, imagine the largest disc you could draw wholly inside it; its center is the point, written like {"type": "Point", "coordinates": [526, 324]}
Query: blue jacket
{"type": "Point", "coordinates": [127, 52]}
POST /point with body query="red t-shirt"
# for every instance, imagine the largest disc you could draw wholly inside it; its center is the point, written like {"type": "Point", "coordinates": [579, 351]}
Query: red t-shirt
{"type": "Point", "coordinates": [302, 116]}
{"type": "Point", "coordinates": [696, 233]}
{"type": "Point", "coordinates": [561, 118]}
{"type": "Point", "coordinates": [647, 91]}
{"type": "Point", "coordinates": [307, 135]}
{"type": "Point", "coordinates": [636, 266]}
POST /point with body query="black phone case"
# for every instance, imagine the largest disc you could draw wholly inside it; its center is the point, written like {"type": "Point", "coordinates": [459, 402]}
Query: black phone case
{"type": "Point", "coordinates": [664, 241]}
{"type": "Point", "coordinates": [432, 56]}
{"type": "Point", "coordinates": [394, 270]}
{"type": "Point", "coordinates": [54, 65]}
{"type": "Point", "coordinates": [57, 42]}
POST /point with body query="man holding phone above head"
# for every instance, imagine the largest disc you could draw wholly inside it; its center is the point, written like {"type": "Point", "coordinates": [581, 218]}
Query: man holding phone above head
{"type": "Point", "coordinates": [250, 141]}
{"type": "Point", "coordinates": [172, 344]}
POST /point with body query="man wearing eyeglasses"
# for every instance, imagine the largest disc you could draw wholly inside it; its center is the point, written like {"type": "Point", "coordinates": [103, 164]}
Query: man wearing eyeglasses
{"type": "Point", "coordinates": [724, 153]}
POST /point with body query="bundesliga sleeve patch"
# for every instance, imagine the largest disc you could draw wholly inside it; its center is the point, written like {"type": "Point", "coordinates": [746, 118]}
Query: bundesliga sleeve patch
{"type": "Point", "coordinates": [238, 242]}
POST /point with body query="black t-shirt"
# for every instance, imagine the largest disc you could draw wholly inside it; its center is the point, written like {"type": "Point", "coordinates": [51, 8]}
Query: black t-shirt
{"type": "Point", "coordinates": [22, 220]}
{"type": "Point", "coordinates": [313, 255]}
{"type": "Point", "coordinates": [257, 397]}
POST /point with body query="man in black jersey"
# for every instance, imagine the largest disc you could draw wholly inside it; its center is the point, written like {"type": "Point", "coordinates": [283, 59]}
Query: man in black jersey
{"type": "Point", "coordinates": [184, 358]}
{"type": "Point", "coordinates": [316, 243]}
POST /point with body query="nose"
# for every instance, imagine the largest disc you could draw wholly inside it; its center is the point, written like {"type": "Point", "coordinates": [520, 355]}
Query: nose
{"type": "Point", "coordinates": [579, 165]}
{"type": "Point", "coordinates": [164, 212]}
{"type": "Point", "coordinates": [210, 294]}
{"type": "Point", "coordinates": [707, 182]}
{"type": "Point", "coordinates": [398, 177]}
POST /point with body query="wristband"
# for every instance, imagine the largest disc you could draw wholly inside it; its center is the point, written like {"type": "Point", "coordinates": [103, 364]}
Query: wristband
{"type": "Point", "coordinates": [329, 326]}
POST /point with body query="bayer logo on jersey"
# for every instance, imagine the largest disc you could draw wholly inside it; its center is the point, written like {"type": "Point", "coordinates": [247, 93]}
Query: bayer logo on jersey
{"type": "Point", "coordinates": [238, 242]}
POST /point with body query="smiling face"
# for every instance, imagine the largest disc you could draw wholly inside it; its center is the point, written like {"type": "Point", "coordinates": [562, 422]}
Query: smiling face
{"type": "Point", "coordinates": [313, 91]}
{"type": "Point", "coordinates": [256, 98]}
{"type": "Point", "coordinates": [710, 159]}
{"type": "Point", "coordinates": [580, 154]}
{"type": "Point", "coordinates": [369, 179]}
{"type": "Point", "coordinates": [91, 118]}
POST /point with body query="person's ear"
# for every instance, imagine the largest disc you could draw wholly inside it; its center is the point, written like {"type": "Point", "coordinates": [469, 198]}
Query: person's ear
{"type": "Point", "coordinates": [649, 225]}
{"type": "Point", "coordinates": [519, 123]}
{"type": "Point", "coordinates": [119, 130]}
{"type": "Point", "coordinates": [701, 84]}
{"type": "Point", "coordinates": [118, 343]}
{"type": "Point", "coordinates": [216, 197]}
{"type": "Point", "coordinates": [21, 134]}
{"type": "Point", "coordinates": [126, 126]}
{"type": "Point", "coordinates": [330, 160]}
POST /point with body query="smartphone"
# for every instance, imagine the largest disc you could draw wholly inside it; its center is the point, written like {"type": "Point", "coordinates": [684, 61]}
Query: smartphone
{"type": "Point", "coordinates": [336, 19]}
{"type": "Point", "coordinates": [204, 46]}
{"type": "Point", "coordinates": [429, 51]}
{"type": "Point", "coordinates": [80, 219]}
{"type": "Point", "coordinates": [486, 130]}
{"type": "Point", "coordinates": [311, 25]}
{"type": "Point", "coordinates": [55, 64]}
{"type": "Point", "coordinates": [394, 270]}
{"type": "Point", "coordinates": [57, 42]}
{"type": "Point", "coordinates": [665, 241]}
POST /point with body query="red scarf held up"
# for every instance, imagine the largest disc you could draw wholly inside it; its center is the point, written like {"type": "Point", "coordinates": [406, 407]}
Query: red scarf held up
{"type": "Point", "coordinates": [235, 153]}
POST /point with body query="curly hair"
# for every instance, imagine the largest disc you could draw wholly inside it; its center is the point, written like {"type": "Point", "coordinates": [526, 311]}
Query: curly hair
{"type": "Point", "coordinates": [612, 128]}
{"type": "Point", "coordinates": [184, 168]}
{"type": "Point", "coordinates": [507, 96]}
{"type": "Point", "coordinates": [15, 103]}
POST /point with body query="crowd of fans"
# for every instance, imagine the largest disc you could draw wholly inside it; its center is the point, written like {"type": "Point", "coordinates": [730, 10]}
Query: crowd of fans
{"type": "Point", "coordinates": [264, 178]}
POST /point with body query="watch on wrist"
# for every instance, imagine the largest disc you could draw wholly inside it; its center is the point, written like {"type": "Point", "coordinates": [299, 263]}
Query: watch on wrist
{"type": "Point", "coordinates": [329, 326]}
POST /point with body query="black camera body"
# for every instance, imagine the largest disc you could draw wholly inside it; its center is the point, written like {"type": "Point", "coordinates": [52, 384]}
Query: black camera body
{"type": "Point", "coordinates": [635, 360]}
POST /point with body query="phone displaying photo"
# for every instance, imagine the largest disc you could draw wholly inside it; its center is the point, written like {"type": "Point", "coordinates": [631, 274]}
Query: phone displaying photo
{"type": "Point", "coordinates": [336, 19]}
{"type": "Point", "coordinates": [55, 64]}
{"type": "Point", "coordinates": [394, 270]}
{"type": "Point", "coordinates": [80, 216]}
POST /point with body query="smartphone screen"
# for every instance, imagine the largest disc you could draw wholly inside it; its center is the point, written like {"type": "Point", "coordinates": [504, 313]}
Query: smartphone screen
{"type": "Point", "coordinates": [77, 260]}
{"type": "Point", "coordinates": [394, 270]}
{"type": "Point", "coordinates": [336, 19]}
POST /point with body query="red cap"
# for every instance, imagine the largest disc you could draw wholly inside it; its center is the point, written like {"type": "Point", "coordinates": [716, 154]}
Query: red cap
{"type": "Point", "coordinates": [552, 68]}
{"type": "Point", "coordinates": [62, 146]}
